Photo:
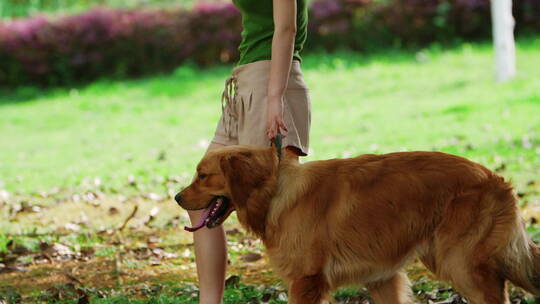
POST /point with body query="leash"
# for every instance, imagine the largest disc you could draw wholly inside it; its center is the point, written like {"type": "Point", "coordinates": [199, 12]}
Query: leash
{"type": "Point", "coordinates": [278, 141]}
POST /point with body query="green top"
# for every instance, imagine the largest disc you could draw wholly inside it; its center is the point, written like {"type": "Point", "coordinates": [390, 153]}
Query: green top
{"type": "Point", "coordinates": [258, 29]}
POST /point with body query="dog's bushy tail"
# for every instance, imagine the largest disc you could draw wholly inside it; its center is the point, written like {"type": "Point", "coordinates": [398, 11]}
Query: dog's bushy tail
{"type": "Point", "coordinates": [520, 261]}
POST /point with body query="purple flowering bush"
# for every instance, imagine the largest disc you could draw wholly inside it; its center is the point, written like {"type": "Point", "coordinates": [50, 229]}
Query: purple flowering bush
{"type": "Point", "coordinates": [216, 28]}
{"type": "Point", "coordinates": [129, 43]}
{"type": "Point", "coordinates": [372, 24]}
{"type": "Point", "coordinates": [423, 21]}
{"type": "Point", "coordinates": [117, 43]}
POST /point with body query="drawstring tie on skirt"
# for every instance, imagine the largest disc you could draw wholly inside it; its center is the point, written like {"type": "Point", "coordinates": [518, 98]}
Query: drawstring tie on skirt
{"type": "Point", "coordinates": [228, 105]}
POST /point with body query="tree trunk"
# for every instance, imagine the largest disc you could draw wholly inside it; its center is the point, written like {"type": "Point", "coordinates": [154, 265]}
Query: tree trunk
{"type": "Point", "coordinates": [503, 39]}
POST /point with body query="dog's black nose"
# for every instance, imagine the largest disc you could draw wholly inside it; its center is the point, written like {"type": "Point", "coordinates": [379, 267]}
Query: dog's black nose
{"type": "Point", "coordinates": [178, 198]}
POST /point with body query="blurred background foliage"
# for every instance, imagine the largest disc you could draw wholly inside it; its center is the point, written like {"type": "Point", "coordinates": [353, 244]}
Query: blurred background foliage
{"type": "Point", "coordinates": [67, 49]}
{"type": "Point", "coordinates": [26, 8]}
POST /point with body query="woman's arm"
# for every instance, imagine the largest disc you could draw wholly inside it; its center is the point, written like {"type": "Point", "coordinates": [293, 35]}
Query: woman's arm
{"type": "Point", "coordinates": [282, 51]}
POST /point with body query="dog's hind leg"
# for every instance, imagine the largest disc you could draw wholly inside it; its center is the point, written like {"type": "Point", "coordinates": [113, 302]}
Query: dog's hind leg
{"type": "Point", "coordinates": [472, 271]}
{"type": "Point", "coordinates": [311, 289]}
{"type": "Point", "coordinates": [395, 290]}
{"type": "Point", "coordinates": [480, 284]}
{"type": "Point", "coordinates": [475, 230]}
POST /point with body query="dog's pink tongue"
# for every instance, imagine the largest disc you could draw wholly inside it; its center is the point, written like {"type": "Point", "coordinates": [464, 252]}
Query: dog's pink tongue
{"type": "Point", "coordinates": [202, 221]}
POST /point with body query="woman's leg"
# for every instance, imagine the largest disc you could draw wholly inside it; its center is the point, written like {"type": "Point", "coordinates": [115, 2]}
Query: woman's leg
{"type": "Point", "coordinates": [210, 256]}
{"type": "Point", "coordinates": [211, 252]}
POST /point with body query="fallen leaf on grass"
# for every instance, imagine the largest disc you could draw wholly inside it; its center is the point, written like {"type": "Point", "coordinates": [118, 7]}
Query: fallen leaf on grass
{"type": "Point", "coordinates": [232, 281]}
{"type": "Point", "coordinates": [24, 207]}
{"type": "Point", "coordinates": [154, 262]}
{"type": "Point", "coordinates": [58, 251]}
{"type": "Point", "coordinates": [113, 211]}
{"type": "Point", "coordinates": [154, 211]}
{"type": "Point", "coordinates": [162, 254]}
{"type": "Point", "coordinates": [152, 216]}
{"type": "Point", "coordinates": [250, 257]}
{"type": "Point", "coordinates": [131, 181]}
{"type": "Point", "coordinates": [233, 231]}
{"type": "Point", "coordinates": [92, 198]}
{"type": "Point", "coordinates": [82, 220]}
{"type": "Point", "coordinates": [147, 253]}
{"type": "Point", "coordinates": [171, 192]}
{"type": "Point", "coordinates": [186, 253]}
{"type": "Point", "coordinates": [11, 268]}
{"type": "Point", "coordinates": [154, 197]}
{"type": "Point", "coordinates": [72, 227]}
{"type": "Point", "coordinates": [153, 241]}
{"type": "Point", "coordinates": [162, 155]}
{"type": "Point", "coordinates": [4, 195]}
{"type": "Point", "coordinates": [174, 222]}
{"type": "Point", "coordinates": [142, 253]}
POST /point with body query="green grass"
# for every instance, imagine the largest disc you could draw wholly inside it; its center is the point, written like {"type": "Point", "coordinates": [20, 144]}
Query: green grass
{"type": "Point", "coordinates": [151, 294]}
{"type": "Point", "coordinates": [157, 127]}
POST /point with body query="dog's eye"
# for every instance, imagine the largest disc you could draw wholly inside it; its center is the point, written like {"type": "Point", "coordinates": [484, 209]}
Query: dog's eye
{"type": "Point", "coordinates": [202, 176]}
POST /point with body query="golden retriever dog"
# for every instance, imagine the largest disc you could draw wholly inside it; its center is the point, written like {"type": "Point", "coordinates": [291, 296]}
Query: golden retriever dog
{"type": "Point", "coordinates": [360, 220]}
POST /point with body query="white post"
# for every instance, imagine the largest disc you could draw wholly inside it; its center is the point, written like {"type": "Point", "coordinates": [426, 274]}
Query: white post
{"type": "Point", "coordinates": [503, 39]}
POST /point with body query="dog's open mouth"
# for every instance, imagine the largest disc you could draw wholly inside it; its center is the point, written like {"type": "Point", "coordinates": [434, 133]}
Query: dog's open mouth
{"type": "Point", "coordinates": [214, 214]}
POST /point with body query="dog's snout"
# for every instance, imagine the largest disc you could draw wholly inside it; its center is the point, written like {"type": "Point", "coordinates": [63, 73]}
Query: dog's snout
{"type": "Point", "coordinates": [178, 198]}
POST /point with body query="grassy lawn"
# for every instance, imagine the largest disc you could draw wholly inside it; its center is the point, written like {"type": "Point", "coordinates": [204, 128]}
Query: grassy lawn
{"type": "Point", "coordinates": [87, 156]}
{"type": "Point", "coordinates": [159, 127]}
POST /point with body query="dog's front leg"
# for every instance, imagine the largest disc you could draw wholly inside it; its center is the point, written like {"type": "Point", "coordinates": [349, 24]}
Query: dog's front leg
{"type": "Point", "coordinates": [395, 290]}
{"type": "Point", "coordinates": [311, 289]}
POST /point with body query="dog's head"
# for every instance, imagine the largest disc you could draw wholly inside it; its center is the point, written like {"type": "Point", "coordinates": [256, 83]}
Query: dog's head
{"type": "Point", "coordinates": [232, 178]}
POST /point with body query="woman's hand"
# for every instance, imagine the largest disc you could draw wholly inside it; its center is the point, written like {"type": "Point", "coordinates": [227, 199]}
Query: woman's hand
{"type": "Point", "coordinates": [274, 120]}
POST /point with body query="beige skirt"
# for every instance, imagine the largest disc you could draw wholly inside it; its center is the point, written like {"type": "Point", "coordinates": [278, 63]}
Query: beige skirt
{"type": "Point", "coordinates": [244, 104]}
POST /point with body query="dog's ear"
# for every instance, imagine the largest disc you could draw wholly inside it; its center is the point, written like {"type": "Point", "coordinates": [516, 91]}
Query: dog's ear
{"type": "Point", "coordinates": [251, 181]}
{"type": "Point", "coordinates": [244, 170]}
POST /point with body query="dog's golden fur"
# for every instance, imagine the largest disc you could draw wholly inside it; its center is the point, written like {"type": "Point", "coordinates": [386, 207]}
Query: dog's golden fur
{"type": "Point", "coordinates": [360, 220]}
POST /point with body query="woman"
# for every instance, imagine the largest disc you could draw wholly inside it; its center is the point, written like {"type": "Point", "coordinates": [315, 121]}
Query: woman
{"type": "Point", "coordinates": [265, 95]}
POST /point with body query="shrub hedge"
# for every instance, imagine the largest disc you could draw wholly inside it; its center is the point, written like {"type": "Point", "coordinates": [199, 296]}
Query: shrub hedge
{"type": "Point", "coordinates": [114, 43]}
{"type": "Point", "coordinates": [128, 43]}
